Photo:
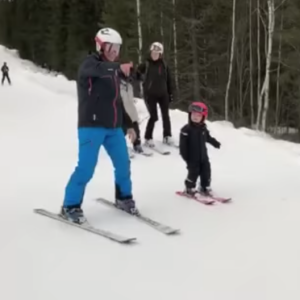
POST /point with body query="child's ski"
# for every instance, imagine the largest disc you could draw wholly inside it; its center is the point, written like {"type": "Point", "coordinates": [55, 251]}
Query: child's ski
{"type": "Point", "coordinates": [220, 199]}
{"type": "Point", "coordinates": [199, 198]}
{"type": "Point", "coordinates": [209, 199]}
{"type": "Point", "coordinates": [154, 224]}
{"type": "Point", "coordinates": [87, 227]}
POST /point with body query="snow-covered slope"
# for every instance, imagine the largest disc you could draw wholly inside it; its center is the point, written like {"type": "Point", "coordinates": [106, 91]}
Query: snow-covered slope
{"type": "Point", "coordinates": [245, 250]}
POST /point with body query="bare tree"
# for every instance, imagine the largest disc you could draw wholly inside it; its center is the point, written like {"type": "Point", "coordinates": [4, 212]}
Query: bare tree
{"type": "Point", "coordinates": [140, 37]}
{"type": "Point", "coordinates": [259, 100]}
{"type": "Point", "coordinates": [161, 17]}
{"type": "Point", "coordinates": [139, 27]}
{"type": "Point", "coordinates": [231, 61]}
{"type": "Point", "coordinates": [175, 45]}
{"type": "Point", "coordinates": [266, 85]}
{"type": "Point", "coordinates": [277, 113]}
{"type": "Point", "coordinates": [251, 63]}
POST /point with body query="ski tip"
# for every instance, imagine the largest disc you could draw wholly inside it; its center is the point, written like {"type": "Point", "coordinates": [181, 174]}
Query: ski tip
{"type": "Point", "coordinates": [227, 200]}
{"type": "Point", "coordinates": [173, 232]}
{"type": "Point", "coordinates": [38, 210]}
{"type": "Point", "coordinates": [129, 241]}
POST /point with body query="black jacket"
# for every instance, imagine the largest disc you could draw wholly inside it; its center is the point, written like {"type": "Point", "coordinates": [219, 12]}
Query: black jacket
{"type": "Point", "coordinates": [156, 78]}
{"type": "Point", "coordinates": [98, 90]}
{"type": "Point", "coordinates": [192, 145]}
{"type": "Point", "coordinates": [5, 69]}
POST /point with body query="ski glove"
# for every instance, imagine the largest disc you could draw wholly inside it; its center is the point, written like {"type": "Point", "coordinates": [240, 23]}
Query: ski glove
{"type": "Point", "coordinates": [217, 145]}
{"type": "Point", "coordinates": [131, 134]}
{"type": "Point", "coordinates": [126, 68]}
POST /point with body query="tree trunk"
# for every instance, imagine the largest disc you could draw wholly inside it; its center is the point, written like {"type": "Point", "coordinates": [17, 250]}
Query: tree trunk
{"type": "Point", "coordinates": [139, 26]}
{"type": "Point", "coordinates": [271, 26]}
{"type": "Point", "coordinates": [277, 116]}
{"type": "Point", "coordinates": [140, 38]}
{"type": "Point", "coordinates": [175, 47]}
{"type": "Point", "coordinates": [196, 77]}
{"type": "Point", "coordinates": [231, 61]}
{"type": "Point", "coordinates": [161, 17]}
{"type": "Point", "coordinates": [259, 100]}
{"type": "Point", "coordinates": [251, 64]}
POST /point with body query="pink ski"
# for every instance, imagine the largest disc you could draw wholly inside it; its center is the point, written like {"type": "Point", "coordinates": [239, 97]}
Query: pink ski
{"type": "Point", "coordinates": [199, 198]}
{"type": "Point", "coordinates": [219, 199]}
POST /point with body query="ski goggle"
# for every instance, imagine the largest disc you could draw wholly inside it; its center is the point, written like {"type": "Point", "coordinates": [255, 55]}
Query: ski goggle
{"type": "Point", "coordinates": [197, 108]}
{"type": "Point", "coordinates": [111, 48]}
{"type": "Point", "coordinates": [156, 48]}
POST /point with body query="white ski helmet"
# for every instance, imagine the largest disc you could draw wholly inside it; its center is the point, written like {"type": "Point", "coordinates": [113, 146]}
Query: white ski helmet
{"type": "Point", "coordinates": [107, 35]}
{"type": "Point", "coordinates": [158, 47]}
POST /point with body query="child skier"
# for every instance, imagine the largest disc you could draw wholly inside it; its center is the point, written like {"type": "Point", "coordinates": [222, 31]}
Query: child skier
{"type": "Point", "coordinates": [193, 137]}
{"type": "Point", "coordinates": [127, 96]}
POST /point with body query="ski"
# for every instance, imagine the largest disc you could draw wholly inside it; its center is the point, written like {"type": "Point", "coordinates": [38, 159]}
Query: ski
{"type": "Point", "coordinates": [173, 145]}
{"type": "Point", "coordinates": [220, 199]}
{"type": "Point", "coordinates": [145, 153]}
{"type": "Point", "coordinates": [201, 199]}
{"type": "Point", "coordinates": [87, 227]}
{"type": "Point", "coordinates": [161, 150]}
{"type": "Point", "coordinates": [154, 224]}
{"type": "Point", "coordinates": [133, 154]}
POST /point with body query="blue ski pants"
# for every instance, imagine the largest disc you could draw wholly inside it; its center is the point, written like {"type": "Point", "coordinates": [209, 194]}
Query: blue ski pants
{"type": "Point", "coordinates": [90, 142]}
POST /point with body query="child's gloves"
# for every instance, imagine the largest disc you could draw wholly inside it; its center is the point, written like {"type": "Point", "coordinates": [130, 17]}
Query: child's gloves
{"type": "Point", "coordinates": [218, 145]}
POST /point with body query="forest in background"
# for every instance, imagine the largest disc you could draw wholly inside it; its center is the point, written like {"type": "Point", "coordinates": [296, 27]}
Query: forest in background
{"type": "Point", "coordinates": [242, 57]}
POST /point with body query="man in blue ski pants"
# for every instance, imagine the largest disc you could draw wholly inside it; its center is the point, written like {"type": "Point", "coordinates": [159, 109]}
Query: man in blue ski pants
{"type": "Point", "coordinates": [101, 116]}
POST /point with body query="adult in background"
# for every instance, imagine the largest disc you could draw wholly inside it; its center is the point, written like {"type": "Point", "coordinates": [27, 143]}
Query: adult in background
{"type": "Point", "coordinates": [5, 73]}
{"type": "Point", "coordinates": [157, 88]}
{"type": "Point", "coordinates": [129, 105]}
{"type": "Point", "coordinates": [101, 117]}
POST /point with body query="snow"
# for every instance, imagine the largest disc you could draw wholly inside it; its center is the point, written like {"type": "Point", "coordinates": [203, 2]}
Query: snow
{"type": "Point", "coordinates": [245, 250]}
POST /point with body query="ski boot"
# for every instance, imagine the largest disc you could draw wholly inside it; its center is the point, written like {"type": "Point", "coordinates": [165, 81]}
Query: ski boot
{"type": "Point", "coordinates": [198, 196]}
{"type": "Point", "coordinates": [205, 191]}
{"type": "Point", "coordinates": [128, 205]}
{"type": "Point", "coordinates": [190, 192]}
{"type": "Point", "coordinates": [73, 214]}
{"type": "Point", "coordinates": [138, 149]}
{"type": "Point", "coordinates": [168, 140]}
{"type": "Point", "coordinates": [149, 143]}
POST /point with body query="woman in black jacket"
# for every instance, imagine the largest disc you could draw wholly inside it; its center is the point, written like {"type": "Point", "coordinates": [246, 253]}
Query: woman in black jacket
{"type": "Point", "coordinates": [157, 88]}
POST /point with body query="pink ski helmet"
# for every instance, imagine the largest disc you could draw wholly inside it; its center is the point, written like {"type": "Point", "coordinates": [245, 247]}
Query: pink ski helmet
{"type": "Point", "coordinates": [199, 107]}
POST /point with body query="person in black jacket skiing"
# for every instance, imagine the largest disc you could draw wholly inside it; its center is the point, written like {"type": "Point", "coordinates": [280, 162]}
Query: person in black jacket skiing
{"type": "Point", "coordinates": [101, 117]}
{"type": "Point", "coordinates": [192, 145]}
{"type": "Point", "coordinates": [5, 73]}
{"type": "Point", "coordinates": [157, 91]}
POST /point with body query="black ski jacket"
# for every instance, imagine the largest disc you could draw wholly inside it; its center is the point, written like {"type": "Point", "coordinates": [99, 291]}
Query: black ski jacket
{"type": "Point", "coordinates": [5, 69]}
{"type": "Point", "coordinates": [98, 90]}
{"type": "Point", "coordinates": [192, 145]}
{"type": "Point", "coordinates": [156, 78]}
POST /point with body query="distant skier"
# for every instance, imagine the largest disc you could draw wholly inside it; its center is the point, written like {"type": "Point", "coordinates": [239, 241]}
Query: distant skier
{"type": "Point", "coordinates": [129, 105]}
{"type": "Point", "coordinates": [5, 73]}
{"type": "Point", "coordinates": [193, 138]}
{"type": "Point", "coordinates": [157, 87]}
{"type": "Point", "coordinates": [101, 116]}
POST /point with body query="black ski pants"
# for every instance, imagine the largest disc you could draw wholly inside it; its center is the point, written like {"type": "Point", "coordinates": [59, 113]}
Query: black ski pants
{"type": "Point", "coordinates": [5, 76]}
{"type": "Point", "coordinates": [151, 104]}
{"type": "Point", "coordinates": [202, 170]}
